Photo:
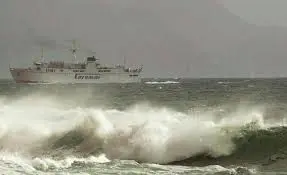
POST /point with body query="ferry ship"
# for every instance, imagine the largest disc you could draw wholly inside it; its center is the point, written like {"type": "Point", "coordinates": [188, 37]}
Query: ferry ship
{"type": "Point", "coordinates": [87, 71]}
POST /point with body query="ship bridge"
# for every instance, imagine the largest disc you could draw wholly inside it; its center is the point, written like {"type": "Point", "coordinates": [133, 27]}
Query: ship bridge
{"type": "Point", "coordinates": [91, 59]}
{"type": "Point", "coordinates": [91, 62]}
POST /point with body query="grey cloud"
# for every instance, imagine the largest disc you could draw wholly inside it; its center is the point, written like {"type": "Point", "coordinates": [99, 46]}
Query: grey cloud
{"type": "Point", "coordinates": [166, 36]}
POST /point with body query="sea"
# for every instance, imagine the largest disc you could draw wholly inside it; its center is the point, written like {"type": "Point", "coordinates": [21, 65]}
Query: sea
{"type": "Point", "coordinates": [158, 126]}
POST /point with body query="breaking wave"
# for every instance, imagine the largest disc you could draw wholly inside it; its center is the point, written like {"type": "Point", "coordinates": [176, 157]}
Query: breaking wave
{"type": "Point", "coordinates": [48, 133]}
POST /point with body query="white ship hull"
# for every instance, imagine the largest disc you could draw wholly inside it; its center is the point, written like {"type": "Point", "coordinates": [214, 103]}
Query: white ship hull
{"type": "Point", "coordinates": [31, 76]}
{"type": "Point", "coordinates": [88, 71]}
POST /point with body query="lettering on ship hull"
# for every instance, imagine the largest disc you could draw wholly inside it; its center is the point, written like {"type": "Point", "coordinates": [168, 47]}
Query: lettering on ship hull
{"type": "Point", "coordinates": [87, 76]}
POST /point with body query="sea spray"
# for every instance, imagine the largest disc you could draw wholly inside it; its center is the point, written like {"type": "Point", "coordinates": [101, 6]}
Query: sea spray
{"type": "Point", "coordinates": [142, 133]}
{"type": "Point", "coordinates": [167, 136]}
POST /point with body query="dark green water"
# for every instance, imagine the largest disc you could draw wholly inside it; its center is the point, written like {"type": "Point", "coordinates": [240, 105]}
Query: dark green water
{"type": "Point", "coordinates": [183, 126]}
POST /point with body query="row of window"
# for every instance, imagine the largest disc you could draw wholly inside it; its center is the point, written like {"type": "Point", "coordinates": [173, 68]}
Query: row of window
{"type": "Point", "coordinates": [61, 70]}
{"type": "Point", "coordinates": [105, 70]}
{"type": "Point", "coordinates": [53, 70]}
{"type": "Point", "coordinates": [50, 70]}
{"type": "Point", "coordinates": [78, 70]}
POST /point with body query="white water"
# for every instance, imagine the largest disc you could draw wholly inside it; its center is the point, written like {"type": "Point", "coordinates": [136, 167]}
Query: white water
{"type": "Point", "coordinates": [142, 133]}
{"type": "Point", "coordinates": [161, 82]}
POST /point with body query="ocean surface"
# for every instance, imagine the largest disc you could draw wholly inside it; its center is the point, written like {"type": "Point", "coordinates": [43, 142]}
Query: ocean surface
{"type": "Point", "coordinates": [160, 126]}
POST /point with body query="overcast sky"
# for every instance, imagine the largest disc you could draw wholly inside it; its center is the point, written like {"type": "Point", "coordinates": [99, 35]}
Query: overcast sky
{"type": "Point", "coordinates": [195, 38]}
{"type": "Point", "coordinates": [261, 12]}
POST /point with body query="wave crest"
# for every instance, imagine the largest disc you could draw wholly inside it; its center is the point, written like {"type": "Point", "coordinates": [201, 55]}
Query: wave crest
{"type": "Point", "coordinates": [141, 133]}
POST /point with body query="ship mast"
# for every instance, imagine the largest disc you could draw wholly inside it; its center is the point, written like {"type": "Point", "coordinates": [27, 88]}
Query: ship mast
{"type": "Point", "coordinates": [42, 54]}
{"type": "Point", "coordinates": [73, 50]}
{"type": "Point", "coordinates": [39, 59]}
{"type": "Point", "coordinates": [124, 61]}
